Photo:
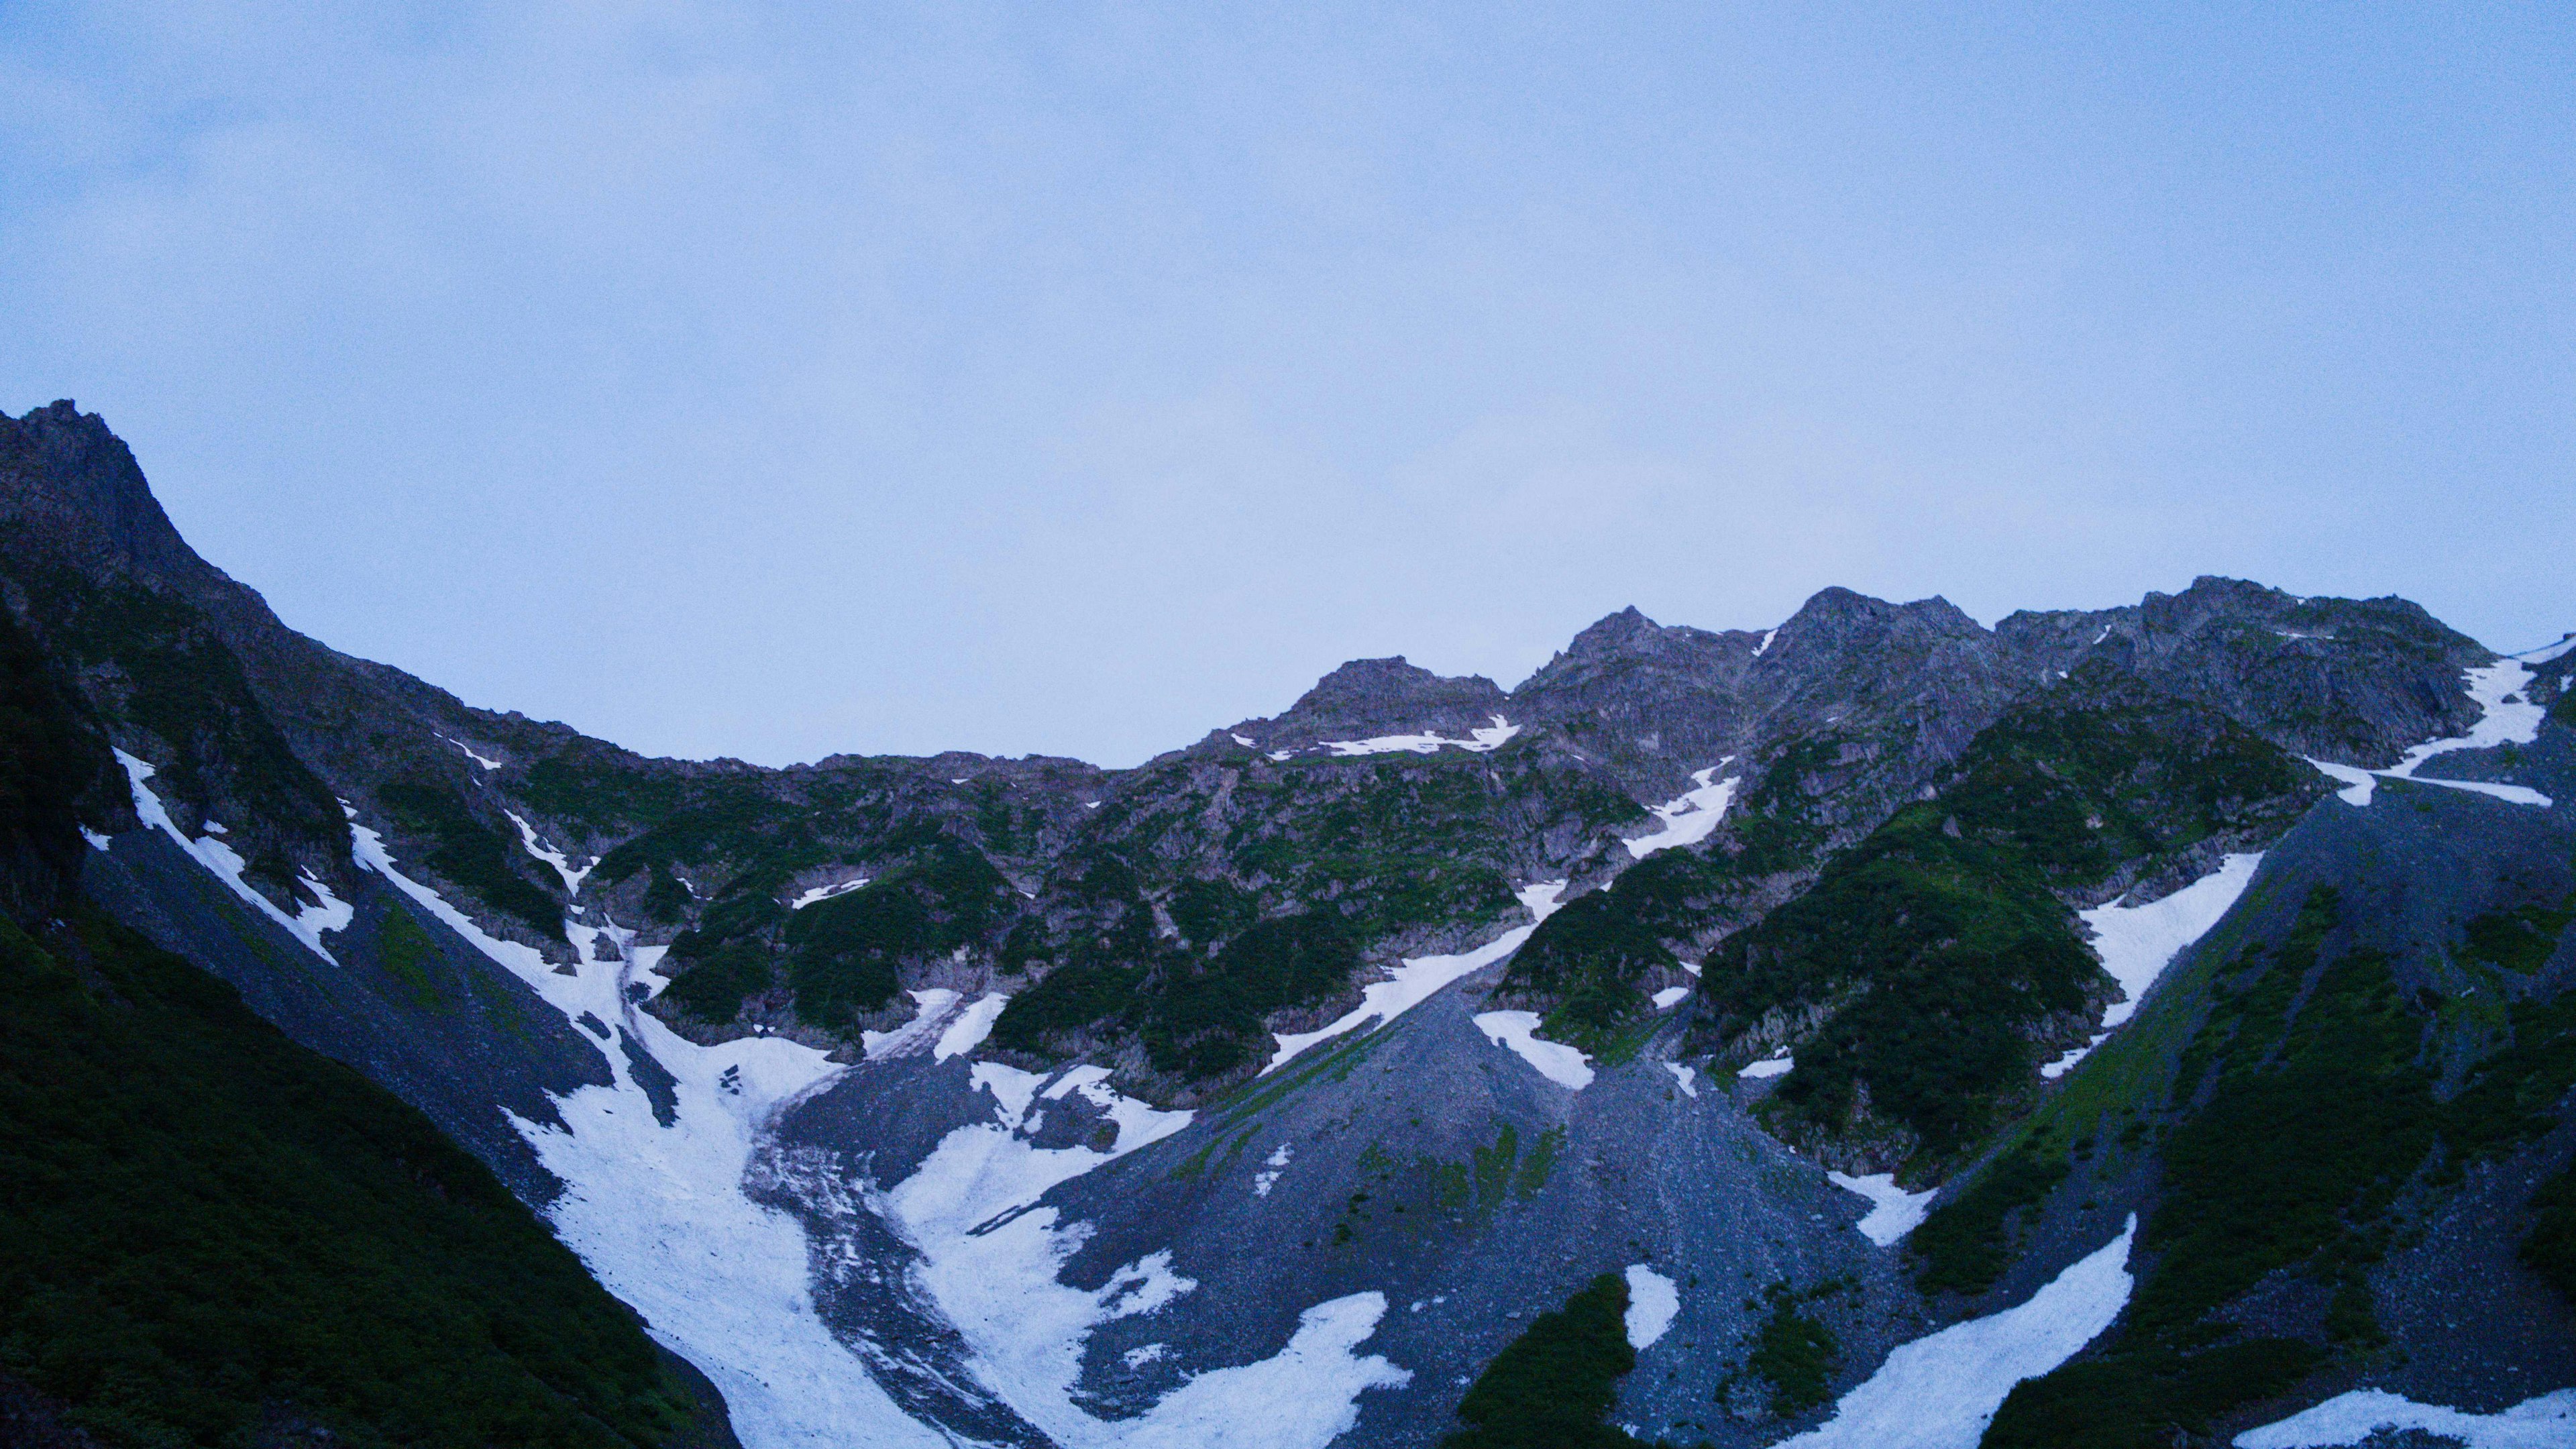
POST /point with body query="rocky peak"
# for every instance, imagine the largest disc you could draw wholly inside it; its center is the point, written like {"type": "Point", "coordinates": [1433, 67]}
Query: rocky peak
{"type": "Point", "coordinates": [67, 480]}
{"type": "Point", "coordinates": [1368, 697]}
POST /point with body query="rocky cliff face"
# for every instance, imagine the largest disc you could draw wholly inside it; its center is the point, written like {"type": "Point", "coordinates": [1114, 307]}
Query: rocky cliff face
{"type": "Point", "coordinates": [1306, 1066]}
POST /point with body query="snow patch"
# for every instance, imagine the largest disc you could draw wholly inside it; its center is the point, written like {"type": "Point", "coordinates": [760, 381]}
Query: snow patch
{"type": "Point", "coordinates": [927, 1027]}
{"type": "Point", "coordinates": [486, 761]}
{"type": "Point", "coordinates": [1896, 1211]}
{"type": "Point", "coordinates": [990, 1260]}
{"type": "Point", "coordinates": [970, 1028]}
{"type": "Point", "coordinates": [1765, 646]}
{"type": "Point", "coordinates": [96, 840]}
{"type": "Point", "coordinates": [1240, 740]}
{"type": "Point", "coordinates": [1491, 737]}
{"type": "Point", "coordinates": [1277, 1162]}
{"type": "Point", "coordinates": [2098, 638]}
{"type": "Point", "coordinates": [1779, 1066]}
{"type": "Point", "coordinates": [1685, 1076]}
{"type": "Point", "coordinates": [2137, 943]}
{"type": "Point", "coordinates": [1553, 1060]}
{"type": "Point", "coordinates": [563, 867]}
{"type": "Point", "coordinates": [2547, 1422]}
{"type": "Point", "coordinates": [1653, 1303]}
{"type": "Point", "coordinates": [1691, 818]}
{"type": "Point", "coordinates": [658, 1213]}
{"type": "Point", "coordinates": [307, 925]}
{"type": "Point", "coordinates": [1940, 1391]}
{"type": "Point", "coordinates": [1670, 997]}
{"type": "Point", "coordinates": [822, 893]}
{"type": "Point", "coordinates": [2506, 716]}
{"type": "Point", "coordinates": [1415, 981]}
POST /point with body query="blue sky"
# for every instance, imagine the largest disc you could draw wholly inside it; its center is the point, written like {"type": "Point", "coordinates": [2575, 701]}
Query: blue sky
{"type": "Point", "coordinates": [774, 382]}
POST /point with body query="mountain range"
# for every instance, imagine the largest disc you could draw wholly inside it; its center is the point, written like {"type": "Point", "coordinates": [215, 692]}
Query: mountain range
{"type": "Point", "coordinates": [2144, 1026]}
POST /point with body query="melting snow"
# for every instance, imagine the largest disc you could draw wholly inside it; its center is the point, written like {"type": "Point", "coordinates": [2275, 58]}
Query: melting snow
{"type": "Point", "coordinates": [1778, 1066]}
{"type": "Point", "coordinates": [2098, 638]}
{"type": "Point", "coordinates": [1691, 818]}
{"type": "Point", "coordinates": [970, 1028]}
{"type": "Point", "coordinates": [1240, 740]}
{"type": "Point", "coordinates": [2506, 716]}
{"type": "Point", "coordinates": [658, 1213]}
{"type": "Point", "coordinates": [307, 924]}
{"type": "Point", "coordinates": [1897, 1211]}
{"type": "Point", "coordinates": [1670, 997]}
{"type": "Point", "coordinates": [990, 1262]}
{"type": "Point", "coordinates": [486, 761]}
{"type": "Point", "coordinates": [2137, 943]}
{"type": "Point", "coordinates": [1140, 1356]}
{"type": "Point", "coordinates": [528, 837]}
{"type": "Point", "coordinates": [1414, 982]}
{"type": "Point", "coordinates": [825, 893]}
{"type": "Point", "coordinates": [2547, 1422]}
{"type": "Point", "coordinates": [1684, 1076]}
{"type": "Point", "coordinates": [1765, 646]}
{"type": "Point", "coordinates": [917, 1035]}
{"type": "Point", "coordinates": [1939, 1392]}
{"type": "Point", "coordinates": [1277, 1162]}
{"type": "Point", "coordinates": [1492, 737]}
{"type": "Point", "coordinates": [1653, 1302]}
{"type": "Point", "coordinates": [1555, 1061]}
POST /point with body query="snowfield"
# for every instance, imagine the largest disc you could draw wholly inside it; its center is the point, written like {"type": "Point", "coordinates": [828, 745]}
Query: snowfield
{"type": "Point", "coordinates": [1553, 1060]}
{"type": "Point", "coordinates": [1692, 817]}
{"type": "Point", "coordinates": [2547, 1422]}
{"type": "Point", "coordinates": [2137, 943]}
{"type": "Point", "coordinates": [1895, 1212]}
{"type": "Point", "coordinates": [1492, 737]}
{"type": "Point", "coordinates": [2506, 716]}
{"type": "Point", "coordinates": [307, 925]}
{"type": "Point", "coordinates": [1940, 1391]}
{"type": "Point", "coordinates": [658, 1213]}
{"type": "Point", "coordinates": [1415, 982]}
{"type": "Point", "coordinates": [989, 1261]}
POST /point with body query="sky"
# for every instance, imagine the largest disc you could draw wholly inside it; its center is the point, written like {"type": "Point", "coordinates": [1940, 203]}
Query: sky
{"type": "Point", "coordinates": [776, 381]}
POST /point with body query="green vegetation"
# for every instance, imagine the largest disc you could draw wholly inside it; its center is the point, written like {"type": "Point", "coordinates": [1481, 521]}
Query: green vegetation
{"type": "Point", "coordinates": [2145, 1400]}
{"type": "Point", "coordinates": [1968, 1241]}
{"type": "Point", "coordinates": [2335, 1073]}
{"type": "Point", "coordinates": [50, 759]}
{"type": "Point", "coordinates": [470, 854]}
{"type": "Point", "coordinates": [155, 661]}
{"type": "Point", "coordinates": [1795, 1351]}
{"type": "Point", "coordinates": [2303, 1133]}
{"type": "Point", "coordinates": [1207, 1017]}
{"type": "Point", "coordinates": [843, 953]}
{"type": "Point", "coordinates": [1554, 1385]}
{"type": "Point", "coordinates": [1589, 960]}
{"type": "Point", "coordinates": [1394, 841]}
{"type": "Point", "coordinates": [714, 987]}
{"type": "Point", "coordinates": [201, 1222]}
{"type": "Point", "coordinates": [2519, 941]}
{"type": "Point", "coordinates": [599, 794]}
{"type": "Point", "coordinates": [1937, 946]}
{"type": "Point", "coordinates": [406, 952]}
{"type": "Point", "coordinates": [2550, 1249]}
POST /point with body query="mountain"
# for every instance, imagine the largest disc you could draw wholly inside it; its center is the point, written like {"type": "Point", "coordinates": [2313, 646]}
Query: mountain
{"type": "Point", "coordinates": [2134, 1026]}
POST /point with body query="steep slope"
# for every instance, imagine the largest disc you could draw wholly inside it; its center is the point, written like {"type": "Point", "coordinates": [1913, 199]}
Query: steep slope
{"type": "Point", "coordinates": [209, 1234]}
{"type": "Point", "coordinates": [1271, 1092]}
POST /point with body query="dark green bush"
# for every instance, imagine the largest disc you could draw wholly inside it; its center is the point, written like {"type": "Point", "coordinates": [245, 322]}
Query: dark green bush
{"type": "Point", "coordinates": [200, 1221]}
{"type": "Point", "coordinates": [1553, 1386]}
